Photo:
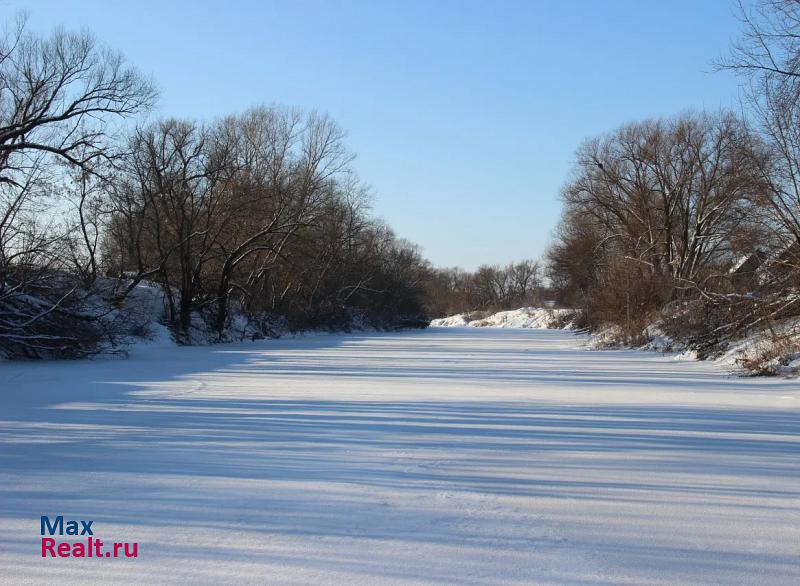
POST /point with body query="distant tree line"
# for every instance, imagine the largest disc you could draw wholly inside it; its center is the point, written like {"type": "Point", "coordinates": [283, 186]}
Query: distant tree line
{"type": "Point", "coordinates": [258, 214]}
{"type": "Point", "coordinates": [694, 220]}
{"type": "Point", "coordinates": [489, 288]}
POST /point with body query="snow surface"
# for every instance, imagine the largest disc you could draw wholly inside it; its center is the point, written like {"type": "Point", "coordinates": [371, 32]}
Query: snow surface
{"type": "Point", "coordinates": [460, 455]}
{"type": "Point", "coordinates": [525, 317]}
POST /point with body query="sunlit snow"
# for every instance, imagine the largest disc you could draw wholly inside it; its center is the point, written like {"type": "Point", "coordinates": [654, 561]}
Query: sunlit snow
{"type": "Point", "coordinates": [451, 455]}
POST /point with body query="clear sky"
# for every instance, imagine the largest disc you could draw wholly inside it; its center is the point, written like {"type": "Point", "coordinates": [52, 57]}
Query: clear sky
{"type": "Point", "coordinates": [464, 115]}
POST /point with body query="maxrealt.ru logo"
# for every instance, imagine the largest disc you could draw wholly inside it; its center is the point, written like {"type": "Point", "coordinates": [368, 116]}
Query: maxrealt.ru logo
{"type": "Point", "coordinates": [91, 547]}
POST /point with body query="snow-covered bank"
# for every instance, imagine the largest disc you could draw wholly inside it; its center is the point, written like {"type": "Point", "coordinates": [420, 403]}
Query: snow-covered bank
{"type": "Point", "coordinates": [472, 456]}
{"type": "Point", "coordinates": [755, 353]}
{"type": "Point", "coordinates": [113, 317]}
{"type": "Point", "coordinates": [525, 317]}
{"type": "Point", "coordinates": [773, 350]}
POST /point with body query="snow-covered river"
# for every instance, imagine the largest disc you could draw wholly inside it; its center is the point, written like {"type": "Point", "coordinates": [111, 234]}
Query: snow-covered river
{"type": "Point", "coordinates": [470, 456]}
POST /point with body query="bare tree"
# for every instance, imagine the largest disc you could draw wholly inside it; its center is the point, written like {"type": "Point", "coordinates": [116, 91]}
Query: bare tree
{"type": "Point", "coordinates": [659, 209]}
{"type": "Point", "coordinates": [769, 43]}
{"type": "Point", "coordinates": [671, 193]}
{"type": "Point", "coordinates": [180, 172]}
{"type": "Point", "coordinates": [767, 57]}
{"type": "Point", "coordinates": [60, 95]}
{"type": "Point", "coordinates": [62, 99]}
{"type": "Point", "coordinates": [287, 164]}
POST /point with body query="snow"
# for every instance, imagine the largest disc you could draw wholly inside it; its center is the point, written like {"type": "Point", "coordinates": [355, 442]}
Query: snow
{"type": "Point", "coordinates": [450, 455]}
{"type": "Point", "coordinates": [525, 317]}
{"type": "Point", "coordinates": [771, 348]}
{"type": "Point", "coordinates": [453, 321]}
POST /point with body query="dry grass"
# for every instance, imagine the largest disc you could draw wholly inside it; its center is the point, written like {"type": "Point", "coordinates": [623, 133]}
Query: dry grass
{"type": "Point", "coordinates": [772, 355]}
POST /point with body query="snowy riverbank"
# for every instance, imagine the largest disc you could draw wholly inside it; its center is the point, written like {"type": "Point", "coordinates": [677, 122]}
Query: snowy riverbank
{"type": "Point", "coordinates": [757, 348]}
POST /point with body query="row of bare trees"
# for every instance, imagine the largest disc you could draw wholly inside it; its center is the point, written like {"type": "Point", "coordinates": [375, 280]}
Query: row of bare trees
{"type": "Point", "coordinates": [697, 214]}
{"type": "Point", "coordinates": [257, 214]}
{"type": "Point", "coordinates": [489, 288]}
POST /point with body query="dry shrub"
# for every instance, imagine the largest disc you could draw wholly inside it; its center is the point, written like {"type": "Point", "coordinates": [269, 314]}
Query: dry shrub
{"type": "Point", "coordinates": [771, 355]}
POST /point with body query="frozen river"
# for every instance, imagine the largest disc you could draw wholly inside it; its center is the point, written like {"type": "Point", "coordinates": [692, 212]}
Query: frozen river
{"type": "Point", "coordinates": [469, 456]}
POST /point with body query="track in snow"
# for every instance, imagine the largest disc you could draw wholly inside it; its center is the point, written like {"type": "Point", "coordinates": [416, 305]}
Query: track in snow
{"type": "Point", "coordinates": [471, 456]}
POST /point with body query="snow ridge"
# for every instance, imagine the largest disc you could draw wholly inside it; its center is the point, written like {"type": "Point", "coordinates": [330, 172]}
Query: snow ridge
{"type": "Point", "coordinates": [524, 317]}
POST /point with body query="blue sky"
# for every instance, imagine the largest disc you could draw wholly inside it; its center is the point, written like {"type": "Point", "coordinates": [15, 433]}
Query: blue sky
{"type": "Point", "coordinates": [464, 115]}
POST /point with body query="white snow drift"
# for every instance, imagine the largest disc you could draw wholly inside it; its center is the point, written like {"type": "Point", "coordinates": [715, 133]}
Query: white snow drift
{"type": "Point", "coordinates": [525, 317]}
